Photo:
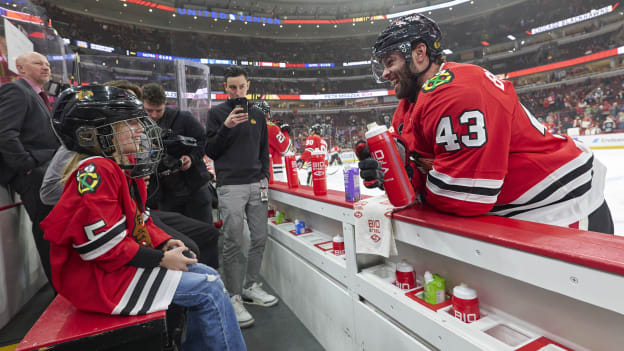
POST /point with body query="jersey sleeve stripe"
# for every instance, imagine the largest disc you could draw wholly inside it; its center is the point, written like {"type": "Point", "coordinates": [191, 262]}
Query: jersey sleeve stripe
{"type": "Point", "coordinates": [461, 196]}
{"type": "Point", "coordinates": [467, 182]}
{"type": "Point", "coordinates": [487, 187]}
{"type": "Point", "coordinates": [103, 242]}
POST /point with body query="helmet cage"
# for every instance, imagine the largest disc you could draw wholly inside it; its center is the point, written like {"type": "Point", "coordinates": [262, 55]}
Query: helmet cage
{"type": "Point", "coordinates": [91, 119]}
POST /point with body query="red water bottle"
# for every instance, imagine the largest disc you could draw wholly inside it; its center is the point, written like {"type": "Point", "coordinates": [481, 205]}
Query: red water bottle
{"type": "Point", "coordinates": [292, 173]}
{"type": "Point", "coordinates": [396, 182]}
{"type": "Point", "coordinates": [405, 276]}
{"type": "Point", "coordinates": [319, 176]}
{"type": "Point", "coordinates": [338, 245]}
{"type": "Point", "coordinates": [465, 303]}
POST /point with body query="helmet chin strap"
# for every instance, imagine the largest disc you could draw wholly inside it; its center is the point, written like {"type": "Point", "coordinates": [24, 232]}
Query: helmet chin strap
{"type": "Point", "coordinates": [415, 76]}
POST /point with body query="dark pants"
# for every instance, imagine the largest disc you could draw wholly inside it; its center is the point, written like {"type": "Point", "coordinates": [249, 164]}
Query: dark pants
{"type": "Point", "coordinates": [198, 236]}
{"type": "Point", "coordinates": [197, 205]}
{"type": "Point", "coordinates": [27, 186]}
{"type": "Point", "coordinates": [600, 220]}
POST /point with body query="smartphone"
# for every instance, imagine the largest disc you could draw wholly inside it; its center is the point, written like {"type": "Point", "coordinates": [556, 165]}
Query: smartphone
{"type": "Point", "coordinates": [241, 102]}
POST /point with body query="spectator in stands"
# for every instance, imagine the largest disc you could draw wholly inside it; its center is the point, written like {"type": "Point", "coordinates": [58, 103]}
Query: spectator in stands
{"type": "Point", "coordinates": [27, 142]}
{"type": "Point", "coordinates": [200, 238]}
{"type": "Point", "coordinates": [513, 168]}
{"type": "Point", "coordinates": [237, 142]}
{"type": "Point", "coordinates": [181, 184]}
{"type": "Point", "coordinates": [102, 238]}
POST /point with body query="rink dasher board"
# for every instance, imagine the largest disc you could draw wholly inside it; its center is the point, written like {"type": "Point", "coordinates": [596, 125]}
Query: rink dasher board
{"type": "Point", "coordinates": [555, 298]}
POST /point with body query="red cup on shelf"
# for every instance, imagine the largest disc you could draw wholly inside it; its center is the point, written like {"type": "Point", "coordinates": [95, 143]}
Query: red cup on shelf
{"type": "Point", "coordinates": [338, 245]}
{"type": "Point", "coordinates": [405, 277]}
{"type": "Point", "coordinates": [465, 303]}
{"type": "Point", "coordinates": [271, 213]}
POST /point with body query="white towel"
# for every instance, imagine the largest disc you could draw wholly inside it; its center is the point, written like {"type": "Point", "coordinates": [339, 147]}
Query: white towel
{"type": "Point", "coordinates": [373, 227]}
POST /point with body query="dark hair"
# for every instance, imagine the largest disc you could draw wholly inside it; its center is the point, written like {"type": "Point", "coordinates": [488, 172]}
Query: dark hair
{"type": "Point", "coordinates": [154, 94]}
{"type": "Point", "coordinates": [234, 71]}
{"type": "Point", "coordinates": [126, 85]}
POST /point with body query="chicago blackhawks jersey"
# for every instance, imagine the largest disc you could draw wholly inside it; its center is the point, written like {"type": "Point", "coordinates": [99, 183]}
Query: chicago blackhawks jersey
{"type": "Point", "coordinates": [491, 155]}
{"type": "Point", "coordinates": [94, 231]}
{"type": "Point", "coordinates": [278, 144]}
{"type": "Point", "coordinates": [312, 143]}
{"type": "Point", "coordinates": [335, 150]}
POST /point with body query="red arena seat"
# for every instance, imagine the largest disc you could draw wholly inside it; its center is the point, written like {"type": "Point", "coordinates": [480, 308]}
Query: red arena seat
{"type": "Point", "coordinates": [64, 327]}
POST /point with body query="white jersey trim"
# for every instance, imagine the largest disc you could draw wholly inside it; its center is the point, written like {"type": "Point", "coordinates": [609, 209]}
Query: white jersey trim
{"type": "Point", "coordinates": [135, 297]}
{"type": "Point", "coordinates": [103, 242]}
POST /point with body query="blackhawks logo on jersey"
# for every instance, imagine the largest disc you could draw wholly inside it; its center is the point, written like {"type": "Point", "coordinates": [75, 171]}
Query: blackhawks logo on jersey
{"type": "Point", "coordinates": [88, 179]}
{"type": "Point", "coordinates": [443, 77]}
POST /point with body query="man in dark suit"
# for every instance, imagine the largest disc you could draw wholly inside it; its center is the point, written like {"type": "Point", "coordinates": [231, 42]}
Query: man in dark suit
{"type": "Point", "coordinates": [27, 142]}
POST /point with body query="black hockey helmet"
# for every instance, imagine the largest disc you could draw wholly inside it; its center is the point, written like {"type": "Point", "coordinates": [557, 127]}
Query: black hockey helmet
{"type": "Point", "coordinates": [401, 35]}
{"type": "Point", "coordinates": [317, 128]}
{"type": "Point", "coordinates": [85, 118]}
{"type": "Point", "coordinates": [263, 106]}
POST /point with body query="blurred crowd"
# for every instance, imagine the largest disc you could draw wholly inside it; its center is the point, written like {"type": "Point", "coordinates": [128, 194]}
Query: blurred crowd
{"type": "Point", "coordinates": [589, 106]}
{"type": "Point", "coordinates": [464, 38]}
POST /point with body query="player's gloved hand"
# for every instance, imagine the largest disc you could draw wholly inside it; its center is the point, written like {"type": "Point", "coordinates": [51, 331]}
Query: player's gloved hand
{"type": "Point", "coordinates": [370, 169]}
{"type": "Point", "coordinates": [299, 163]}
{"type": "Point", "coordinates": [285, 128]}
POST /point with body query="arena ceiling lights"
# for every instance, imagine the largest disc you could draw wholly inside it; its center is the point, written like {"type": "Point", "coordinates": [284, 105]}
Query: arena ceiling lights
{"type": "Point", "coordinates": [276, 21]}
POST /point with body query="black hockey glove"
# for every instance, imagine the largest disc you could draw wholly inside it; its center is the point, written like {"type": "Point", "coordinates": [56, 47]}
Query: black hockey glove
{"type": "Point", "coordinates": [285, 128]}
{"type": "Point", "coordinates": [370, 169]}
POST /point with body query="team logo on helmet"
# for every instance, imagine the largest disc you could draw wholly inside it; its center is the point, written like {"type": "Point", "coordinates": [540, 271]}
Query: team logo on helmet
{"type": "Point", "coordinates": [88, 179]}
{"type": "Point", "coordinates": [443, 77]}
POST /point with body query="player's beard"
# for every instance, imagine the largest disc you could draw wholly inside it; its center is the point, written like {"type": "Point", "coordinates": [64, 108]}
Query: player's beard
{"type": "Point", "coordinates": [406, 87]}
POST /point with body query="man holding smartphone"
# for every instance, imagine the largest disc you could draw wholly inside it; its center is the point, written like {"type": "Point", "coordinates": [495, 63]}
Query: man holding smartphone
{"type": "Point", "coordinates": [237, 141]}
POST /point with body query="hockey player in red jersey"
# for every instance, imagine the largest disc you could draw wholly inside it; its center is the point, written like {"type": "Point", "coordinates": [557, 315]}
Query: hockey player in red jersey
{"type": "Point", "coordinates": [334, 155]}
{"type": "Point", "coordinates": [472, 148]}
{"type": "Point", "coordinates": [279, 141]}
{"type": "Point", "coordinates": [106, 254]}
{"type": "Point", "coordinates": [313, 142]}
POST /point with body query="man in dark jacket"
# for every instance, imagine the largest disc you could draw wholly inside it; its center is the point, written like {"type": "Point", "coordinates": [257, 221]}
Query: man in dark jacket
{"type": "Point", "coordinates": [27, 142]}
{"type": "Point", "coordinates": [238, 143]}
{"type": "Point", "coordinates": [183, 187]}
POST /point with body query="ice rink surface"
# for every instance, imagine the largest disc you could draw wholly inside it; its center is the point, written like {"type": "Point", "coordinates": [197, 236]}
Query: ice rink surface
{"type": "Point", "coordinates": [614, 190]}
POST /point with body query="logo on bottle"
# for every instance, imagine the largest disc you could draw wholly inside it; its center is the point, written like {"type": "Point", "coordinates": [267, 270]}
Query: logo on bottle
{"type": "Point", "coordinates": [466, 317]}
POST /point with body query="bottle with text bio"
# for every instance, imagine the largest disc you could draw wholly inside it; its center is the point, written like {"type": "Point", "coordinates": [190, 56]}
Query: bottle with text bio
{"type": "Point", "coordinates": [396, 182]}
{"type": "Point", "coordinates": [465, 303]}
{"type": "Point", "coordinates": [319, 175]}
{"type": "Point", "coordinates": [292, 174]}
